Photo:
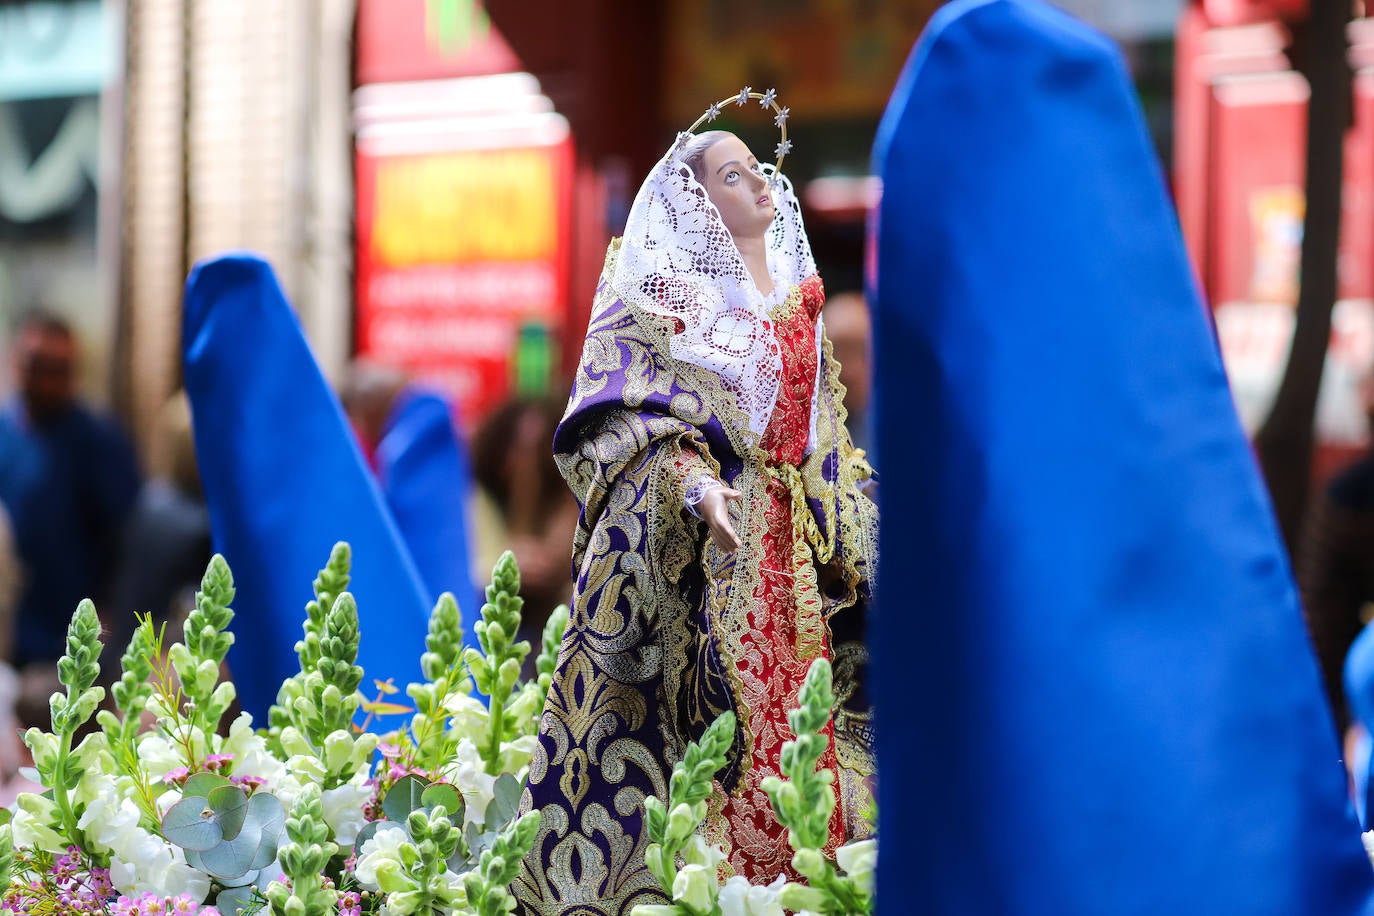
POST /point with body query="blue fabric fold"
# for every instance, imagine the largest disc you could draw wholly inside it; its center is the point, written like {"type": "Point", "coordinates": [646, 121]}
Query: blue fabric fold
{"type": "Point", "coordinates": [425, 478]}
{"type": "Point", "coordinates": [1359, 694]}
{"type": "Point", "coordinates": [1094, 689]}
{"type": "Point", "coordinates": [284, 480]}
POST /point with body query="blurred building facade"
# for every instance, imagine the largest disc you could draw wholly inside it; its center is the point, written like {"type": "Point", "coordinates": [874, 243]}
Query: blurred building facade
{"type": "Point", "coordinates": [237, 136]}
{"type": "Point", "coordinates": [59, 66]}
{"type": "Point", "coordinates": [436, 180]}
{"type": "Point", "coordinates": [1239, 170]}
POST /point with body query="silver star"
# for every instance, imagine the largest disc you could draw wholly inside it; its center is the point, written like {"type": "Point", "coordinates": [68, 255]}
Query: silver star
{"type": "Point", "coordinates": [713, 112]}
{"type": "Point", "coordinates": [781, 117]}
{"type": "Point", "coordinates": [783, 148]}
{"type": "Point", "coordinates": [743, 98]}
{"type": "Point", "coordinates": [768, 98]}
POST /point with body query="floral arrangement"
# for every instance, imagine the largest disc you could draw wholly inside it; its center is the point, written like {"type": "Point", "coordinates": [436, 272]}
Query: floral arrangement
{"type": "Point", "coordinates": [160, 810]}
{"type": "Point", "coordinates": [155, 807]}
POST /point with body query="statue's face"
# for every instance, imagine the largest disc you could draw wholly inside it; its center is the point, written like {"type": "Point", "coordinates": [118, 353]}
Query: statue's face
{"type": "Point", "coordinates": [737, 187]}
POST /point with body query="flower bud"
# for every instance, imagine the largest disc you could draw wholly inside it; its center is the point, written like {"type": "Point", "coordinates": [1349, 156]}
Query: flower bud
{"type": "Point", "coordinates": [681, 825]}
{"type": "Point", "coordinates": [695, 886]}
{"type": "Point", "coordinates": [799, 897]}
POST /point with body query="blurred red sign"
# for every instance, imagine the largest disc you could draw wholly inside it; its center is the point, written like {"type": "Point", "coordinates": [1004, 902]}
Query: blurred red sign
{"type": "Point", "coordinates": [457, 250]}
{"type": "Point", "coordinates": [403, 40]}
{"type": "Point", "coordinates": [1242, 12]}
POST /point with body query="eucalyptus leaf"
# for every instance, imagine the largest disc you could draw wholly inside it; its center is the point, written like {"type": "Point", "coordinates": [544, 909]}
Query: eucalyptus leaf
{"type": "Point", "coordinates": [230, 806]}
{"type": "Point", "coordinates": [233, 901]}
{"type": "Point", "coordinates": [404, 797]}
{"type": "Point", "coordinates": [266, 810]}
{"type": "Point", "coordinates": [504, 803]}
{"type": "Point", "coordinates": [442, 793]}
{"type": "Point", "coordinates": [192, 824]}
{"type": "Point", "coordinates": [200, 785]}
{"type": "Point", "coordinates": [231, 859]}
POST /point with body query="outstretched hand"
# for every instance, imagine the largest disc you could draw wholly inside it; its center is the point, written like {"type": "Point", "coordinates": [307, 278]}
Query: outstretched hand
{"type": "Point", "coordinates": [714, 509]}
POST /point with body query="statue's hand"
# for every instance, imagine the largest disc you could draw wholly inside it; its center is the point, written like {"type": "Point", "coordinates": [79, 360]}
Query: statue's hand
{"type": "Point", "coordinates": [714, 509]}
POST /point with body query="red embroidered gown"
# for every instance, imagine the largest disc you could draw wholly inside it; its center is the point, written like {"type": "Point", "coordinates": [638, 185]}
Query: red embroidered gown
{"type": "Point", "coordinates": [770, 670]}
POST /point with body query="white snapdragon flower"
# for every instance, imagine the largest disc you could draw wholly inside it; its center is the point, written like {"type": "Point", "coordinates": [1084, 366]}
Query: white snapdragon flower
{"type": "Point", "coordinates": [517, 754]}
{"type": "Point", "coordinates": [381, 852]}
{"type": "Point", "coordinates": [740, 898]}
{"type": "Point", "coordinates": [468, 773]}
{"type": "Point", "coordinates": [144, 863]}
{"type": "Point", "coordinates": [467, 716]}
{"type": "Point", "coordinates": [699, 852]}
{"type": "Point", "coordinates": [1368, 837]}
{"type": "Point", "coordinates": [32, 815]}
{"type": "Point", "coordinates": [251, 756]}
{"type": "Point", "coordinates": [343, 808]}
{"type": "Point", "coordinates": [157, 756]}
{"type": "Point", "coordinates": [696, 887]}
{"type": "Point", "coordinates": [107, 820]}
{"type": "Point", "coordinates": [859, 859]}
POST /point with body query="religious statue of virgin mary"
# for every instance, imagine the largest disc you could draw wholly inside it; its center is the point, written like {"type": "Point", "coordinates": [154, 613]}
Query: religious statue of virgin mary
{"type": "Point", "coordinates": [725, 540]}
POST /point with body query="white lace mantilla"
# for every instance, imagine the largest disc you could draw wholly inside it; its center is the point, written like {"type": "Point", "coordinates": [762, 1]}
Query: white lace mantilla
{"type": "Point", "coordinates": [678, 260]}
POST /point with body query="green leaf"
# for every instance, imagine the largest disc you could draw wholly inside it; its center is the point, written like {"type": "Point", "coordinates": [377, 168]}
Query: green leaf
{"type": "Point", "coordinates": [404, 797]}
{"type": "Point", "coordinates": [191, 824]}
{"type": "Point", "coordinates": [441, 793]}
{"type": "Point", "coordinates": [269, 817]}
{"type": "Point", "coordinates": [233, 901]}
{"type": "Point", "coordinates": [230, 805]}
{"type": "Point", "coordinates": [6, 815]}
{"type": "Point", "coordinates": [200, 785]}
{"type": "Point", "coordinates": [229, 860]}
{"type": "Point", "coordinates": [504, 803]}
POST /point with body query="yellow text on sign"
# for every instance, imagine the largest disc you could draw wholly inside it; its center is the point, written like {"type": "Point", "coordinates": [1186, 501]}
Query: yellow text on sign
{"type": "Point", "coordinates": [461, 207]}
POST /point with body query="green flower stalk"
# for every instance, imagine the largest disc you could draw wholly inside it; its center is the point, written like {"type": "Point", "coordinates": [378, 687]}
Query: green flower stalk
{"type": "Point", "coordinates": [554, 629]}
{"type": "Point", "coordinates": [442, 665]}
{"type": "Point", "coordinates": [444, 643]}
{"type": "Point", "coordinates": [487, 884]}
{"type": "Point", "coordinates": [304, 859]}
{"type": "Point", "coordinates": [323, 714]}
{"type": "Point", "coordinates": [197, 660]}
{"type": "Point", "coordinates": [315, 708]}
{"type": "Point", "coordinates": [331, 582]}
{"type": "Point", "coordinates": [496, 669]}
{"type": "Point", "coordinates": [133, 691]}
{"type": "Point", "coordinates": [804, 802]}
{"type": "Point", "coordinates": [671, 829]}
{"type": "Point", "coordinates": [59, 767]}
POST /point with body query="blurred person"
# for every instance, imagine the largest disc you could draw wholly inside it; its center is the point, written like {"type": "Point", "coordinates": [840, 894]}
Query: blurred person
{"type": "Point", "coordinates": [1335, 565]}
{"type": "Point", "coordinates": [411, 443]}
{"type": "Point", "coordinates": [166, 543]}
{"type": "Point", "coordinates": [523, 505]}
{"type": "Point", "coordinates": [69, 479]}
{"type": "Point", "coordinates": [850, 329]}
{"type": "Point", "coordinates": [367, 392]}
